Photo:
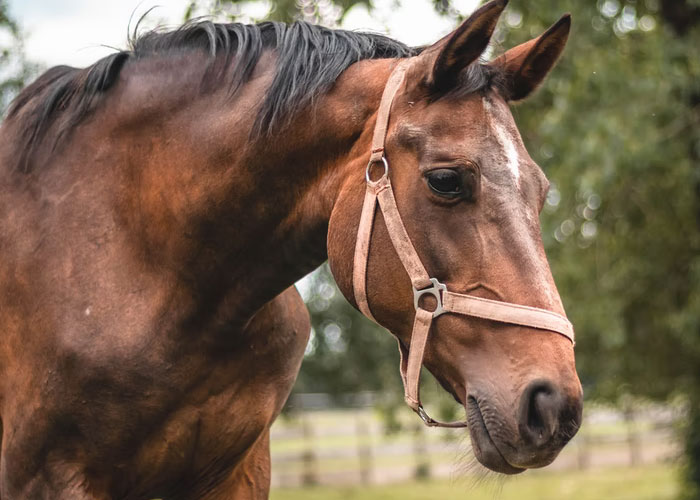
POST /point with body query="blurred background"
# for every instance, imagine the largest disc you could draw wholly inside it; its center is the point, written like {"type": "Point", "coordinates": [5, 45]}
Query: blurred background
{"type": "Point", "coordinates": [616, 128]}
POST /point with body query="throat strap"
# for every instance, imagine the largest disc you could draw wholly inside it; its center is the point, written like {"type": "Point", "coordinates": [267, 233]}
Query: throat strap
{"type": "Point", "coordinates": [380, 193]}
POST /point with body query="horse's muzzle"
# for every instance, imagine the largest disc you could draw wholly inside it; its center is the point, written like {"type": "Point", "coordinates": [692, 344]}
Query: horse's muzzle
{"type": "Point", "coordinates": [546, 419]}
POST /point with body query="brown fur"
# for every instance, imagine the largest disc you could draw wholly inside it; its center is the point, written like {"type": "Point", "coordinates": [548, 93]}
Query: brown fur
{"type": "Point", "coordinates": [146, 348]}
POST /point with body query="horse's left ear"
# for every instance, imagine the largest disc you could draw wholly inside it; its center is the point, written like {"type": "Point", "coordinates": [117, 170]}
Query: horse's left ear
{"type": "Point", "coordinates": [450, 56]}
{"type": "Point", "coordinates": [527, 64]}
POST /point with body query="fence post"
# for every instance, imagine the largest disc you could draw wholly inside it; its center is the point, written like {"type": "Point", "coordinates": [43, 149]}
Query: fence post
{"type": "Point", "coordinates": [583, 449]}
{"type": "Point", "coordinates": [364, 449]}
{"type": "Point", "coordinates": [420, 450]}
{"type": "Point", "coordinates": [632, 437]}
{"type": "Point", "coordinates": [308, 457]}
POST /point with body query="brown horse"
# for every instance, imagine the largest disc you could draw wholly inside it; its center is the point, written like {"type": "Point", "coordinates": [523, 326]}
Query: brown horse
{"type": "Point", "coordinates": [154, 206]}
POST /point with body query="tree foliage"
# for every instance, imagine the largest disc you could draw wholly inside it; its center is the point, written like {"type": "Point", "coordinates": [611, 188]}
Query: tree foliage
{"type": "Point", "coordinates": [15, 71]}
{"type": "Point", "coordinates": [319, 11]}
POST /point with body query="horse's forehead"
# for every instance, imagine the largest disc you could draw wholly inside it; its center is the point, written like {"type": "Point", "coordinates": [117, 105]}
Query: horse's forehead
{"type": "Point", "coordinates": [479, 128]}
{"type": "Point", "coordinates": [507, 147]}
{"type": "Point", "coordinates": [489, 130]}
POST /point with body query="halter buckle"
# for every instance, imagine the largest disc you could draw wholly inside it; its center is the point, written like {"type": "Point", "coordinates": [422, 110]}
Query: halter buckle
{"type": "Point", "coordinates": [433, 290]}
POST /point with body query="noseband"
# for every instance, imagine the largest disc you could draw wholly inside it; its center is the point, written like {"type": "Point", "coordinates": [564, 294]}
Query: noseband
{"type": "Point", "coordinates": [447, 302]}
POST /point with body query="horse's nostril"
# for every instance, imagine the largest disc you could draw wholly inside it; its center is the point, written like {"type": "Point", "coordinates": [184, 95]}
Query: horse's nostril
{"type": "Point", "coordinates": [540, 411]}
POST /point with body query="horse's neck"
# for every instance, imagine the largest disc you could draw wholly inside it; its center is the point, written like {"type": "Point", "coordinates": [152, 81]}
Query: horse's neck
{"type": "Point", "coordinates": [256, 215]}
{"type": "Point", "coordinates": [323, 150]}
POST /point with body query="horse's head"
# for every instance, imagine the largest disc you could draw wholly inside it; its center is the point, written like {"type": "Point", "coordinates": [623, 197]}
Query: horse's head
{"type": "Point", "coordinates": [469, 197]}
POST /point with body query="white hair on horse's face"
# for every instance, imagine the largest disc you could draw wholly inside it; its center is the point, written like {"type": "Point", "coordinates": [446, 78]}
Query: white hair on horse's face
{"type": "Point", "coordinates": [514, 166]}
{"type": "Point", "coordinates": [505, 139]}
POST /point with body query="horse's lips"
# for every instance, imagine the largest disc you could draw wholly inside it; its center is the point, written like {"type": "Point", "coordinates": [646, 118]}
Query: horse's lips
{"type": "Point", "coordinates": [485, 450]}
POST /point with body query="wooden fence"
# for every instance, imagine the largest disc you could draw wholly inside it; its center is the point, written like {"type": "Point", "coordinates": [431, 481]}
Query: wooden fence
{"type": "Point", "coordinates": [350, 446]}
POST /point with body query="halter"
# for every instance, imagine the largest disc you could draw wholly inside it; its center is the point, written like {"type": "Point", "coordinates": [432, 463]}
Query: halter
{"type": "Point", "coordinates": [447, 302]}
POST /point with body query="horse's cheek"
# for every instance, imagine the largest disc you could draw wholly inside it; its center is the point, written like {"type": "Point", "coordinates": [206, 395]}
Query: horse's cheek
{"type": "Point", "coordinates": [342, 234]}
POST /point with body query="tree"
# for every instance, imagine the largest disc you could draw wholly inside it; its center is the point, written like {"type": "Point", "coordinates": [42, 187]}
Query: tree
{"type": "Point", "coordinates": [324, 12]}
{"type": "Point", "coordinates": [15, 71]}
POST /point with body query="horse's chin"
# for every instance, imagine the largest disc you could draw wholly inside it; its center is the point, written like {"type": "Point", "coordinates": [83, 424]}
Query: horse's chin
{"type": "Point", "coordinates": [485, 450]}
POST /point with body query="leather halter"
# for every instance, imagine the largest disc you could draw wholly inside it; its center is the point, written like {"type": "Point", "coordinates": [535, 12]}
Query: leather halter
{"type": "Point", "coordinates": [447, 302]}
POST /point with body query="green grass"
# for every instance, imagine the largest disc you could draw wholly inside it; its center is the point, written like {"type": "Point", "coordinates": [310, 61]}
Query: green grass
{"type": "Point", "coordinates": [657, 482]}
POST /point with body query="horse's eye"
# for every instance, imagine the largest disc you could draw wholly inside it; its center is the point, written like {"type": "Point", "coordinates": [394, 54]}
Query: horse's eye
{"type": "Point", "coordinates": [445, 182]}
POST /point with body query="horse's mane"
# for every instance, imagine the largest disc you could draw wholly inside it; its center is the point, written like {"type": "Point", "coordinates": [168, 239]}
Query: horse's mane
{"type": "Point", "coordinates": [309, 59]}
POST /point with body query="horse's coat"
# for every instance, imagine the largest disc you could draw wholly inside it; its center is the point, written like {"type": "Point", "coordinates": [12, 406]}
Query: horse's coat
{"type": "Point", "coordinates": [506, 142]}
{"type": "Point", "coordinates": [155, 206]}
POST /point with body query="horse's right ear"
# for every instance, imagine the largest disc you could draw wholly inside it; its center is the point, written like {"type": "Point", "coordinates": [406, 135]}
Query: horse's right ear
{"type": "Point", "coordinates": [448, 57]}
{"type": "Point", "coordinates": [527, 64]}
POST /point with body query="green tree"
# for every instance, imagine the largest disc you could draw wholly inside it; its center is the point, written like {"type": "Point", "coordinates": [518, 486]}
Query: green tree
{"type": "Point", "coordinates": [15, 71]}
{"type": "Point", "coordinates": [325, 11]}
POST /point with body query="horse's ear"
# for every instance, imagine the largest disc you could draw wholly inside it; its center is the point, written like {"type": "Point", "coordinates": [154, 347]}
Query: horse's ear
{"type": "Point", "coordinates": [463, 46]}
{"type": "Point", "coordinates": [527, 64]}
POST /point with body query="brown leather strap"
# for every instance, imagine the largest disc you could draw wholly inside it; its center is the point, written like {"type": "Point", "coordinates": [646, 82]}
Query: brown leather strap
{"type": "Point", "coordinates": [359, 270]}
{"type": "Point", "coordinates": [505, 312]}
{"type": "Point", "coordinates": [399, 237]}
{"type": "Point", "coordinates": [392, 85]}
{"type": "Point", "coordinates": [411, 364]}
{"type": "Point", "coordinates": [419, 336]}
{"type": "Point", "coordinates": [380, 191]}
{"type": "Point", "coordinates": [364, 231]}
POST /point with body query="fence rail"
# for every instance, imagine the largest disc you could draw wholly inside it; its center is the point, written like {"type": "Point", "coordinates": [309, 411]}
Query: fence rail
{"type": "Point", "coordinates": [350, 446]}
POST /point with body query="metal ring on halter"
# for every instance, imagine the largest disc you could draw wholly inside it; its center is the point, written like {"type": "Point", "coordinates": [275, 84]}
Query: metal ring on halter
{"type": "Point", "coordinates": [433, 290]}
{"type": "Point", "coordinates": [369, 166]}
{"type": "Point", "coordinates": [427, 420]}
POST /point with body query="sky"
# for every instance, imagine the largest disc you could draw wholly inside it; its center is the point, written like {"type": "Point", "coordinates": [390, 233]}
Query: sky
{"type": "Point", "coordinates": [79, 32]}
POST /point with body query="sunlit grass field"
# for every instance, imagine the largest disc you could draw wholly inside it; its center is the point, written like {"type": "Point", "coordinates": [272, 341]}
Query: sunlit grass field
{"type": "Point", "coordinates": [653, 482]}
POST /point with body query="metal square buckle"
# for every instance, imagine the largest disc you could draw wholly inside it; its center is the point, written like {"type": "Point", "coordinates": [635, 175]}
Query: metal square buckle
{"type": "Point", "coordinates": [433, 290]}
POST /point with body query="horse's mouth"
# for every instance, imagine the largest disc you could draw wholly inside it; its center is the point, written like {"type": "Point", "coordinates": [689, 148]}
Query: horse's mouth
{"type": "Point", "coordinates": [485, 450]}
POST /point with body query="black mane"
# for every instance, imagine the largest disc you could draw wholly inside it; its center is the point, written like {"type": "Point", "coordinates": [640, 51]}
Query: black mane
{"type": "Point", "coordinates": [309, 59]}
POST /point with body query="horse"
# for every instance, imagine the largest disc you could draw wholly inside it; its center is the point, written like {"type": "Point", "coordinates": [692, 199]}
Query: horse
{"type": "Point", "coordinates": [156, 206]}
